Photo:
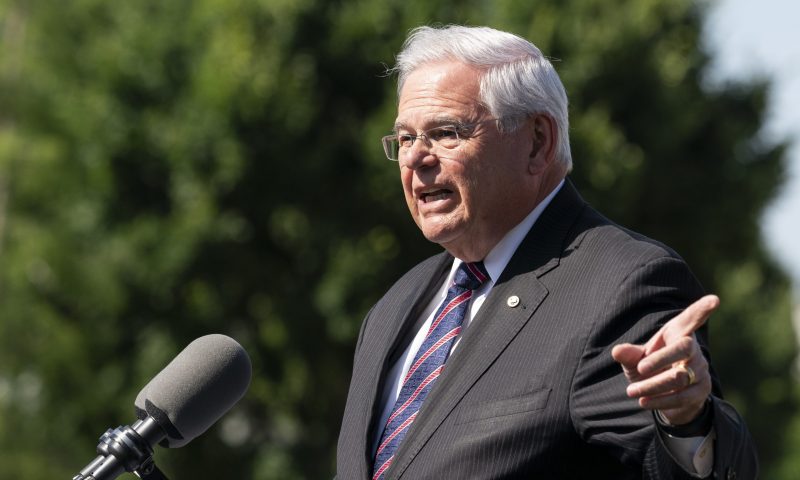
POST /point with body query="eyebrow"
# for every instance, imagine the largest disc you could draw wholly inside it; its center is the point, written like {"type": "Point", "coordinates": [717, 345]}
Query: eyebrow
{"type": "Point", "coordinates": [433, 122]}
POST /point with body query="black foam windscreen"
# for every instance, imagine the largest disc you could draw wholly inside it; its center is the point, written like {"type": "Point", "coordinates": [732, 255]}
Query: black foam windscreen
{"type": "Point", "coordinates": [199, 386]}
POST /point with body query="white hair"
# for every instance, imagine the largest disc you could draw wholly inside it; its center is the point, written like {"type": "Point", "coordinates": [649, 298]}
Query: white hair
{"type": "Point", "coordinates": [518, 81]}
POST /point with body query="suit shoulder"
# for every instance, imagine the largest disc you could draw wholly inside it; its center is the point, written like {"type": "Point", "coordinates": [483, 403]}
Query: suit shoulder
{"type": "Point", "coordinates": [600, 234]}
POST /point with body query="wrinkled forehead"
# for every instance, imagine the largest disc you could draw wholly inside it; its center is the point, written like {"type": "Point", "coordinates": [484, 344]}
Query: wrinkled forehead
{"type": "Point", "coordinates": [440, 92]}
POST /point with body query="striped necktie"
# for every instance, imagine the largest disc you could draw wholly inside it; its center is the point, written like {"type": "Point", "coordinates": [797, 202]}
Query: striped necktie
{"type": "Point", "coordinates": [428, 362]}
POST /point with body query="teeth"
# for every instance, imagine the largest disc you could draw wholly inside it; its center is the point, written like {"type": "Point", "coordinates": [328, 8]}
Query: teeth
{"type": "Point", "coordinates": [435, 195]}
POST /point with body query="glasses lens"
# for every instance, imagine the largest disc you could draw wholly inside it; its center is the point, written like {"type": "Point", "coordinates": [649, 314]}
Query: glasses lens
{"type": "Point", "coordinates": [446, 136]}
{"type": "Point", "coordinates": [391, 147]}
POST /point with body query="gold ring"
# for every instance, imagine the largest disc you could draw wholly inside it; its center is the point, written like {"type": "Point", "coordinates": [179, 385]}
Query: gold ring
{"type": "Point", "coordinates": [689, 372]}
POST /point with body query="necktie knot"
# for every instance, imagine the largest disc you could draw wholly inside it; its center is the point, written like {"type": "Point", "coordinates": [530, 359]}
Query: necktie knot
{"type": "Point", "coordinates": [471, 276]}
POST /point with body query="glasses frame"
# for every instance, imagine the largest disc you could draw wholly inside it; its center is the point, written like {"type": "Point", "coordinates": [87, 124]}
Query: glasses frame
{"type": "Point", "coordinates": [462, 130]}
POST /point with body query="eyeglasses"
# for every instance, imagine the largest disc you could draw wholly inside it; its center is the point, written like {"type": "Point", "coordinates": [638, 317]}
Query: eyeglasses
{"type": "Point", "coordinates": [448, 137]}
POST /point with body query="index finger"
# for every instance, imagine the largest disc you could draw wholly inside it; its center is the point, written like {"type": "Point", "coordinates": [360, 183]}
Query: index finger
{"type": "Point", "coordinates": [684, 324]}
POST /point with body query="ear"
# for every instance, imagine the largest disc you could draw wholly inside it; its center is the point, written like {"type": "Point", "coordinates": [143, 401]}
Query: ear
{"type": "Point", "coordinates": [543, 147]}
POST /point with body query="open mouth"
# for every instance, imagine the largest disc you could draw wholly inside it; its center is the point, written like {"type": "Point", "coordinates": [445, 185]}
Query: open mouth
{"type": "Point", "coordinates": [435, 195]}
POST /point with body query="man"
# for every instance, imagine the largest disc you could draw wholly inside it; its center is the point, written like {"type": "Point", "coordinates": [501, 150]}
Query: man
{"type": "Point", "coordinates": [546, 342]}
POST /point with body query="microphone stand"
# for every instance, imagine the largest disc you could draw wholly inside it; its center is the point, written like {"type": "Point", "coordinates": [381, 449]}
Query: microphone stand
{"type": "Point", "coordinates": [150, 472]}
{"type": "Point", "coordinates": [126, 449]}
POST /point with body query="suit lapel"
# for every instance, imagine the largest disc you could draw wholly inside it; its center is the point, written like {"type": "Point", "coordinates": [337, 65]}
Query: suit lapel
{"type": "Point", "coordinates": [497, 323]}
{"type": "Point", "coordinates": [398, 324]}
{"type": "Point", "coordinates": [409, 325]}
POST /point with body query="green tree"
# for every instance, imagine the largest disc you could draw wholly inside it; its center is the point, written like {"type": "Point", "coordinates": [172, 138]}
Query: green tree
{"type": "Point", "coordinates": [170, 169]}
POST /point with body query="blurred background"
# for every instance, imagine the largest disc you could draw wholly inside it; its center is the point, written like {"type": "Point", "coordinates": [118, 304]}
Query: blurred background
{"type": "Point", "coordinates": [174, 168]}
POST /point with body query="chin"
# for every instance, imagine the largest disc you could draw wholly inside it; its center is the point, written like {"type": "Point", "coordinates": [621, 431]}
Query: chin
{"type": "Point", "coordinates": [443, 228]}
{"type": "Point", "coordinates": [433, 235]}
{"type": "Point", "coordinates": [437, 234]}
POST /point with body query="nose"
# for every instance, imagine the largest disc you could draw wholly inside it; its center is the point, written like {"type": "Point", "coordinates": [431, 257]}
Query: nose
{"type": "Point", "coordinates": [419, 155]}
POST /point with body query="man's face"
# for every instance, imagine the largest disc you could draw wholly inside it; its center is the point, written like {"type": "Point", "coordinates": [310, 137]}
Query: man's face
{"type": "Point", "coordinates": [465, 199]}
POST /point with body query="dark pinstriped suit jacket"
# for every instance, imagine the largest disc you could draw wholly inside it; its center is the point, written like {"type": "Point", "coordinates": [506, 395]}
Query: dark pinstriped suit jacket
{"type": "Point", "coordinates": [532, 391]}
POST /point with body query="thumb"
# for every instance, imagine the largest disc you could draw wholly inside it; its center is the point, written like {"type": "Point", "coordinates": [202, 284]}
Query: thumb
{"type": "Point", "coordinates": [628, 355]}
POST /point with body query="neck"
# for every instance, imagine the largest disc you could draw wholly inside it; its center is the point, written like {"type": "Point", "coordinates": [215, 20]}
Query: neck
{"type": "Point", "coordinates": [479, 247]}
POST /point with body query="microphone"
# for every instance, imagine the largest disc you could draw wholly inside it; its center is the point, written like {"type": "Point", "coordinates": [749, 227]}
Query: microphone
{"type": "Point", "coordinates": [188, 396]}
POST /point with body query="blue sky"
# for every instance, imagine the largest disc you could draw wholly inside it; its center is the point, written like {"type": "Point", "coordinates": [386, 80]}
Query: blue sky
{"type": "Point", "coordinates": [748, 39]}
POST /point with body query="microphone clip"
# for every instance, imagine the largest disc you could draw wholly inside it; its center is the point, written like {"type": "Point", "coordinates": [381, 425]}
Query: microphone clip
{"type": "Point", "coordinates": [126, 449]}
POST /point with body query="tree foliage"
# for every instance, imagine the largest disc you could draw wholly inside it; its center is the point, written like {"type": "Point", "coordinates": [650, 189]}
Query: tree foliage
{"type": "Point", "coordinates": [171, 169]}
